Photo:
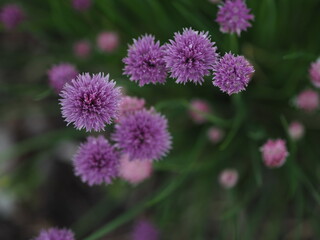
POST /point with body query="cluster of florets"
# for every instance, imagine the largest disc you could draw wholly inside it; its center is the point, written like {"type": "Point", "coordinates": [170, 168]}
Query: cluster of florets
{"type": "Point", "coordinates": [189, 57]}
{"type": "Point", "coordinates": [141, 135]}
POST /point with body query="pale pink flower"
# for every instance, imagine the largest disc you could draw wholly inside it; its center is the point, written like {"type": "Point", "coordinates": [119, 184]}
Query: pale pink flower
{"type": "Point", "coordinates": [82, 49]}
{"type": "Point", "coordinates": [198, 109]}
{"type": "Point", "coordinates": [134, 171]}
{"type": "Point", "coordinates": [308, 100]}
{"type": "Point", "coordinates": [228, 178]}
{"type": "Point", "coordinates": [215, 134]}
{"type": "Point", "coordinates": [296, 130]}
{"type": "Point", "coordinates": [107, 41]}
{"type": "Point", "coordinates": [274, 153]}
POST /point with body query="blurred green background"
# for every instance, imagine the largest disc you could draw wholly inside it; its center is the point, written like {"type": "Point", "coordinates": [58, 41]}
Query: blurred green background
{"type": "Point", "coordinates": [183, 197]}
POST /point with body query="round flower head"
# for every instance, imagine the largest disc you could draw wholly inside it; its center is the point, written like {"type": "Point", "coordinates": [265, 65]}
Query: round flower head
{"type": "Point", "coordinates": [215, 134]}
{"type": "Point", "coordinates": [198, 109]}
{"type": "Point", "coordinates": [145, 230]}
{"type": "Point", "coordinates": [314, 73]}
{"type": "Point", "coordinates": [190, 56]}
{"type": "Point", "coordinates": [296, 130]}
{"type": "Point", "coordinates": [82, 49]}
{"type": "Point", "coordinates": [11, 15]}
{"type": "Point", "coordinates": [96, 161]}
{"type": "Point", "coordinates": [274, 153]}
{"type": "Point", "coordinates": [90, 102]}
{"type": "Point", "coordinates": [228, 178]}
{"type": "Point", "coordinates": [108, 41]}
{"type": "Point", "coordinates": [55, 234]}
{"type": "Point", "coordinates": [144, 63]}
{"type": "Point", "coordinates": [81, 5]}
{"type": "Point", "coordinates": [308, 100]}
{"type": "Point", "coordinates": [143, 135]}
{"type": "Point", "coordinates": [234, 16]}
{"type": "Point", "coordinates": [134, 171]}
{"type": "Point", "coordinates": [232, 73]}
{"type": "Point", "coordinates": [61, 74]}
{"type": "Point", "coordinates": [129, 105]}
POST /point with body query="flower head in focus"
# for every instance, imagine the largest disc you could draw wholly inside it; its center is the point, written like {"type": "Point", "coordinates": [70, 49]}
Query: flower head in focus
{"type": "Point", "coordinates": [190, 56]}
{"type": "Point", "coordinates": [143, 135]}
{"type": "Point", "coordinates": [232, 73]}
{"type": "Point", "coordinates": [96, 161]}
{"type": "Point", "coordinates": [234, 16]}
{"type": "Point", "coordinates": [55, 234]}
{"type": "Point", "coordinates": [274, 153]}
{"type": "Point", "coordinates": [90, 102]}
{"type": "Point", "coordinates": [61, 74]}
{"type": "Point", "coordinates": [144, 63]}
{"type": "Point", "coordinates": [11, 15]}
{"type": "Point", "coordinates": [134, 171]}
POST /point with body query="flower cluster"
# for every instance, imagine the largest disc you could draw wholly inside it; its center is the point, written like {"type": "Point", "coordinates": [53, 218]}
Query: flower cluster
{"type": "Point", "coordinates": [189, 57]}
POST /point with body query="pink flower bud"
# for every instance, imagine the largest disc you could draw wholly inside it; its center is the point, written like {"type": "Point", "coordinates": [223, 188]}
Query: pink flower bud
{"type": "Point", "coordinates": [198, 108]}
{"type": "Point", "coordinates": [274, 153]}
{"type": "Point", "coordinates": [108, 41]}
{"type": "Point", "coordinates": [82, 49]}
{"type": "Point", "coordinates": [314, 73]}
{"type": "Point", "coordinates": [308, 100]}
{"type": "Point", "coordinates": [134, 171]}
{"type": "Point", "coordinates": [228, 178]}
{"type": "Point", "coordinates": [215, 134]}
{"type": "Point", "coordinates": [296, 130]}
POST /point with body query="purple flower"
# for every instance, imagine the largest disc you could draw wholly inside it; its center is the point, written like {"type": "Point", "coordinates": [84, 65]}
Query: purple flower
{"type": "Point", "coordinates": [143, 135]}
{"type": "Point", "coordinates": [144, 63]}
{"type": "Point", "coordinates": [190, 56]}
{"type": "Point", "coordinates": [11, 15]}
{"type": "Point", "coordinates": [61, 74]}
{"type": "Point", "coordinates": [274, 153]}
{"type": "Point", "coordinates": [232, 73]}
{"type": "Point", "coordinates": [233, 16]}
{"type": "Point", "coordinates": [145, 230]}
{"type": "Point", "coordinates": [90, 102]}
{"type": "Point", "coordinates": [96, 161]}
{"type": "Point", "coordinates": [81, 5]}
{"type": "Point", "coordinates": [55, 234]}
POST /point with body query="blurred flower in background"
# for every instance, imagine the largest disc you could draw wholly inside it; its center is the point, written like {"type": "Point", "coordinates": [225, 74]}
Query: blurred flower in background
{"type": "Point", "coordinates": [134, 171]}
{"type": "Point", "coordinates": [81, 5]}
{"type": "Point", "coordinates": [198, 109]}
{"type": "Point", "coordinates": [314, 73]}
{"type": "Point", "coordinates": [108, 41]}
{"type": "Point", "coordinates": [274, 153]}
{"type": "Point", "coordinates": [82, 49]}
{"type": "Point", "coordinates": [11, 15]}
{"type": "Point", "coordinates": [215, 134]}
{"type": "Point", "coordinates": [234, 16]}
{"type": "Point", "coordinates": [61, 74]}
{"type": "Point", "coordinates": [228, 178]}
{"type": "Point", "coordinates": [145, 230]}
{"type": "Point", "coordinates": [308, 100]}
{"type": "Point", "coordinates": [55, 234]}
{"type": "Point", "coordinates": [296, 130]}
